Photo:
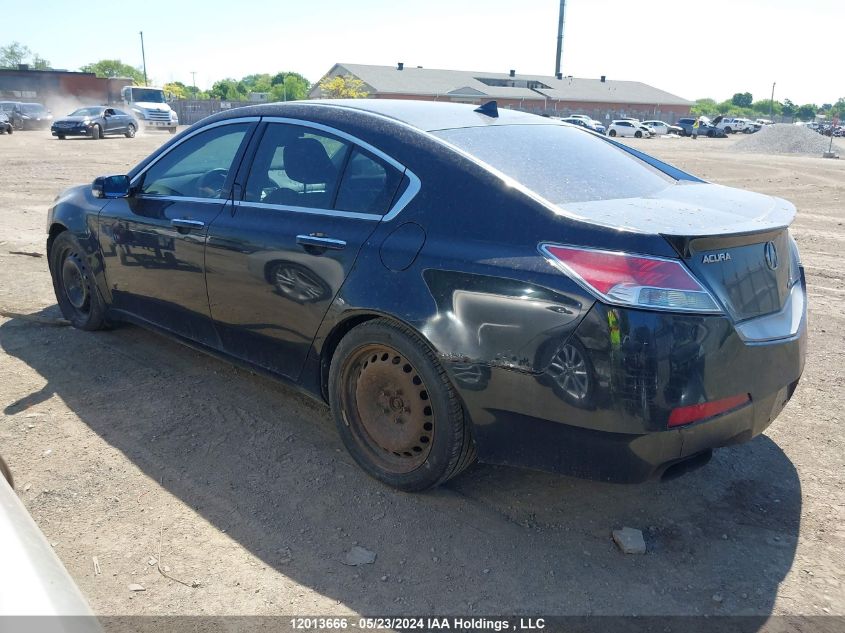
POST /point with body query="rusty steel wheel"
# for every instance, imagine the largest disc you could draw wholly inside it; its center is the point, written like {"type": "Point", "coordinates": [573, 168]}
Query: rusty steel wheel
{"type": "Point", "coordinates": [387, 407]}
{"type": "Point", "coordinates": [395, 408]}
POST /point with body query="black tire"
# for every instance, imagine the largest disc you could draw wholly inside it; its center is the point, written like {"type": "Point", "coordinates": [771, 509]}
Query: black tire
{"type": "Point", "coordinates": [130, 131]}
{"type": "Point", "coordinates": [172, 130]}
{"type": "Point", "coordinates": [96, 132]}
{"type": "Point", "coordinates": [638, 134]}
{"type": "Point", "coordinates": [395, 408]}
{"type": "Point", "coordinates": [74, 284]}
{"type": "Point", "coordinates": [61, 137]}
{"type": "Point", "coordinates": [612, 133]}
{"type": "Point", "coordinates": [728, 130]}
{"type": "Point", "coordinates": [711, 133]}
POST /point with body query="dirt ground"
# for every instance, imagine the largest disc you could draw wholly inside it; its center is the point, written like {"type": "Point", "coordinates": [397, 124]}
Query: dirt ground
{"type": "Point", "coordinates": [129, 447]}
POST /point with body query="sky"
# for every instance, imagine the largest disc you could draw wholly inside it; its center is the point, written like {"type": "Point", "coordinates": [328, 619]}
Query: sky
{"type": "Point", "coordinates": [741, 46]}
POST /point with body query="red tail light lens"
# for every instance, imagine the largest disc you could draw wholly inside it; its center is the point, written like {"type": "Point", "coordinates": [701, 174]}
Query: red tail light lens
{"type": "Point", "coordinates": [696, 412]}
{"type": "Point", "coordinates": [633, 280]}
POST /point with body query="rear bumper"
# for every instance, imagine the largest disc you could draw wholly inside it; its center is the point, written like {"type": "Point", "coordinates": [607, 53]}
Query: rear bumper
{"type": "Point", "coordinates": [641, 365]}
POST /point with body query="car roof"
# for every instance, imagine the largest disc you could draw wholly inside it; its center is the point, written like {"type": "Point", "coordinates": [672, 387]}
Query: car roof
{"type": "Point", "coordinates": [427, 116]}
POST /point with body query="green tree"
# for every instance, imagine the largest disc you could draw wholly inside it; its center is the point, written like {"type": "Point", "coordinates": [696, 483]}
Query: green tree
{"type": "Point", "coordinates": [807, 112]}
{"type": "Point", "coordinates": [838, 109]}
{"type": "Point", "coordinates": [286, 86]}
{"type": "Point", "coordinates": [177, 89]}
{"type": "Point", "coordinates": [39, 63]}
{"type": "Point", "coordinates": [114, 68]}
{"type": "Point", "coordinates": [13, 54]}
{"type": "Point", "coordinates": [228, 90]}
{"type": "Point", "coordinates": [789, 109]}
{"type": "Point", "coordinates": [762, 107]}
{"type": "Point", "coordinates": [742, 99]}
{"type": "Point", "coordinates": [705, 107]}
{"type": "Point", "coordinates": [343, 87]}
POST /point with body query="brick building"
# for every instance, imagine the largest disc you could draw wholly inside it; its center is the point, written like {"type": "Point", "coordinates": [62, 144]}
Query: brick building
{"type": "Point", "coordinates": [603, 99]}
{"type": "Point", "coordinates": [58, 86]}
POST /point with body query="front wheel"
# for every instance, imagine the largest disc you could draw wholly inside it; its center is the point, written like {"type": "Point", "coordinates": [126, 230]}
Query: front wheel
{"type": "Point", "coordinates": [172, 130]}
{"type": "Point", "coordinates": [74, 284]}
{"type": "Point", "coordinates": [96, 132]}
{"type": "Point", "coordinates": [61, 137]}
{"type": "Point", "coordinates": [638, 134]}
{"type": "Point", "coordinates": [395, 408]}
{"type": "Point", "coordinates": [130, 131]}
{"type": "Point", "coordinates": [612, 133]}
{"type": "Point", "coordinates": [728, 130]}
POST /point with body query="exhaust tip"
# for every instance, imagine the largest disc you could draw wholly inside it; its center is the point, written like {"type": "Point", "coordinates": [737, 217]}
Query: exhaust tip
{"type": "Point", "coordinates": [686, 465]}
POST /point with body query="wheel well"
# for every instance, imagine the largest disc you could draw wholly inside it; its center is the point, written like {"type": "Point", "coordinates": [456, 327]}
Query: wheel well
{"type": "Point", "coordinates": [332, 341]}
{"type": "Point", "coordinates": [55, 229]}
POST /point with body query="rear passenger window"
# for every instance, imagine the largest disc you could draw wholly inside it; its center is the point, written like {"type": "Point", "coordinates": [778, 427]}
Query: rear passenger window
{"type": "Point", "coordinates": [368, 184]}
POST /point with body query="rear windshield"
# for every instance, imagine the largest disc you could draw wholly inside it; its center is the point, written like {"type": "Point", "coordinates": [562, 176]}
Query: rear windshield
{"type": "Point", "coordinates": [560, 163]}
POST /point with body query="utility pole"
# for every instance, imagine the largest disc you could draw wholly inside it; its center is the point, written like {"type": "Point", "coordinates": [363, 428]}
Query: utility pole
{"type": "Point", "coordinates": [772, 103]}
{"type": "Point", "coordinates": [194, 82]}
{"type": "Point", "coordinates": [143, 57]}
{"type": "Point", "coordinates": [560, 36]}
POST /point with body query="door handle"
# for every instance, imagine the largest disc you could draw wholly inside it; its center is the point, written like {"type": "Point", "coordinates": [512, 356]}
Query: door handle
{"type": "Point", "coordinates": [320, 242]}
{"type": "Point", "coordinates": [184, 223]}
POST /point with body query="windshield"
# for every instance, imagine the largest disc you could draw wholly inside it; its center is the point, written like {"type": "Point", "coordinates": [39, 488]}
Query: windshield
{"type": "Point", "coordinates": [560, 163]}
{"type": "Point", "coordinates": [32, 108]}
{"type": "Point", "coordinates": [150, 95]}
{"type": "Point", "coordinates": [87, 112]}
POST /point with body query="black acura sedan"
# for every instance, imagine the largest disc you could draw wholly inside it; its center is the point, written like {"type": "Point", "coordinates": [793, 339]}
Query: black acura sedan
{"type": "Point", "coordinates": [458, 283]}
{"type": "Point", "coordinates": [95, 122]}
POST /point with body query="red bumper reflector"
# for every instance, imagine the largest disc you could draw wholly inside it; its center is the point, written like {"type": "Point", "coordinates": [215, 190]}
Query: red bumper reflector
{"type": "Point", "coordinates": [696, 412]}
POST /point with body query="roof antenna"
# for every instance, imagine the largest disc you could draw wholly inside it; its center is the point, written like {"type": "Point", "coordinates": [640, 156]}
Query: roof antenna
{"type": "Point", "coordinates": [490, 109]}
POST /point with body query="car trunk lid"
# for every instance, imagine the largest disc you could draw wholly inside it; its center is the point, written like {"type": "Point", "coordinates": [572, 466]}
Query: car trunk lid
{"type": "Point", "coordinates": [734, 241]}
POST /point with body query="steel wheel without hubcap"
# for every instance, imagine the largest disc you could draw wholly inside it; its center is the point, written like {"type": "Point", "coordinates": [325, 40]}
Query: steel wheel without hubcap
{"type": "Point", "coordinates": [73, 283]}
{"type": "Point", "coordinates": [387, 407]}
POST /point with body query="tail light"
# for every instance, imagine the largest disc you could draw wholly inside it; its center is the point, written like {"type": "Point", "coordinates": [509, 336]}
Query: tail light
{"type": "Point", "coordinates": [695, 412]}
{"type": "Point", "coordinates": [638, 281]}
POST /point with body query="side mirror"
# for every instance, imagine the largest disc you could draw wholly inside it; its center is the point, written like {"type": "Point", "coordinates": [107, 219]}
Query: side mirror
{"type": "Point", "coordinates": [110, 187]}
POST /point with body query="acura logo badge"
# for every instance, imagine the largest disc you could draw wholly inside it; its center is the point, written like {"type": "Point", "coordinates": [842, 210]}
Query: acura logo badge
{"type": "Point", "coordinates": [771, 255]}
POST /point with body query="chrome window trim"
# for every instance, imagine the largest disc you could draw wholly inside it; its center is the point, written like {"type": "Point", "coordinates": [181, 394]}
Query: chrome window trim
{"type": "Point", "coordinates": [140, 174]}
{"type": "Point", "coordinates": [413, 188]}
{"type": "Point", "coordinates": [310, 210]}
{"type": "Point", "coordinates": [142, 196]}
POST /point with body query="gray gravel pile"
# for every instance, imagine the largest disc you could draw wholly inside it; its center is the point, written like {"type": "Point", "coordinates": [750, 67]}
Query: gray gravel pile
{"type": "Point", "coordinates": [783, 138]}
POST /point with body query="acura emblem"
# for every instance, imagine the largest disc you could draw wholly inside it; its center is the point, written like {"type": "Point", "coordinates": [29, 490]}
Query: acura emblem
{"type": "Point", "coordinates": [771, 255]}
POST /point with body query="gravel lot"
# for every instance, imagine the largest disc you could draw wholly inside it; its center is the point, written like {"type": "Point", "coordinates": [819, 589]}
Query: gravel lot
{"type": "Point", "coordinates": [246, 491]}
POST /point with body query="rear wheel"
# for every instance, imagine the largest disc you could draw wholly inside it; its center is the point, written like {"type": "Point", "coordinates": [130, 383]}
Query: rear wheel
{"type": "Point", "coordinates": [130, 131]}
{"type": "Point", "coordinates": [74, 284]}
{"type": "Point", "coordinates": [96, 132]}
{"type": "Point", "coordinates": [612, 133]}
{"type": "Point", "coordinates": [395, 409]}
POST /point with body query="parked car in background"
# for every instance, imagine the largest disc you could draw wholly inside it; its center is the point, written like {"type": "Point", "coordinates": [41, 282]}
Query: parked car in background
{"type": "Point", "coordinates": [95, 122]}
{"type": "Point", "coordinates": [625, 127]}
{"type": "Point", "coordinates": [5, 124]}
{"type": "Point", "coordinates": [661, 127]}
{"type": "Point", "coordinates": [318, 243]}
{"type": "Point", "coordinates": [27, 116]}
{"type": "Point", "coordinates": [705, 128]}
{"type": "Point", "coordinates": [730, 125]}
{"type": "Point", "coordinates": [585, 123]}
{"type": "Point", "coordinates": [764, 122]}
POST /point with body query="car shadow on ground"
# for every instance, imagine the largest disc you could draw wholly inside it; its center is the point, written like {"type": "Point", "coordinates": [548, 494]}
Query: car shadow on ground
{"type": "Point", "coordinates": [264, 464]}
